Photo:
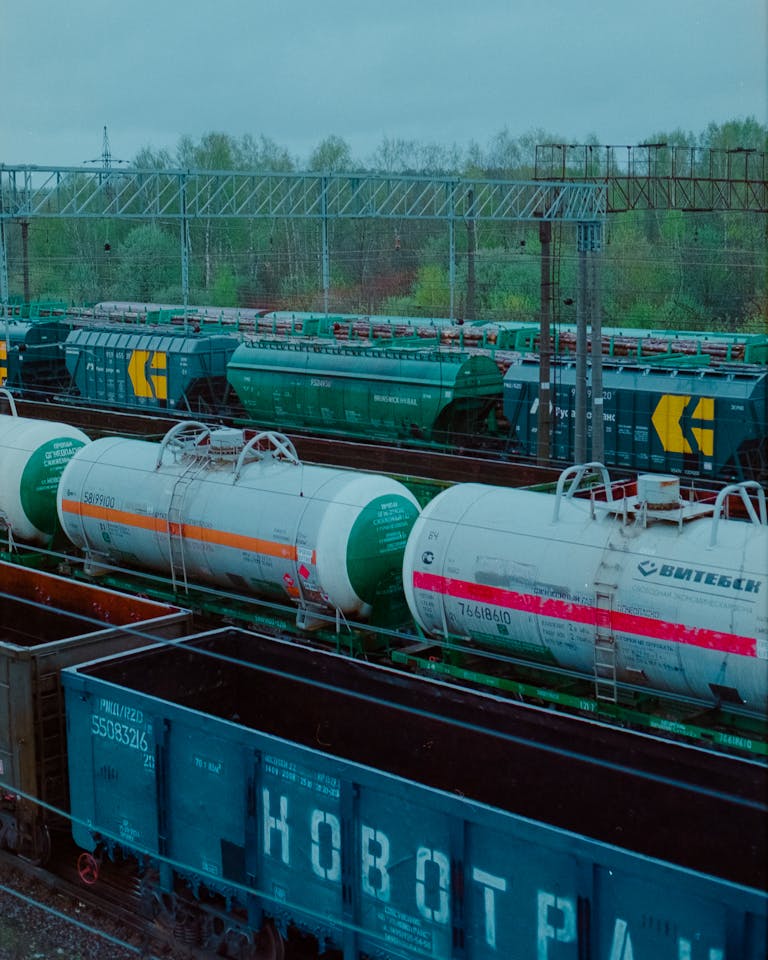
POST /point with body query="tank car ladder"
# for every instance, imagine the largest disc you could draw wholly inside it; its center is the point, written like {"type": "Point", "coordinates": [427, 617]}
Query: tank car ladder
{"type": "Point", "coordinates": [605, 647]}
{"type": "Point", "coordinates": [186, 439]}
{"type": "Point", "coordinates": [176, 528]}
{"type": "Point", "coordinates": [605, 582]}
{"type": "Point", "coordinates": [606, 687]}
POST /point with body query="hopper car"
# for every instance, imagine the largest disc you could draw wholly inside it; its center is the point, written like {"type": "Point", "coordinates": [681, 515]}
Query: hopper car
{"type": "Point", "coordinates": [711, 422]}
{"type": "Point", "coordinates": [705, 422]}
{"type": "Point", "coordinates": [437, 396]}
{"type": "Point", "coordinates": [335, 811]}
{"type": "Point", "coordinates": [351, 378]}
{"type": "Point", "coordinates": [158, 371]}
{"type": "Point", "coordinates": [31, 356]}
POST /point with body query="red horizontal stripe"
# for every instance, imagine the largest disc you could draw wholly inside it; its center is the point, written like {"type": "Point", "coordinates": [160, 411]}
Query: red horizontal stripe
{"type": "Point", "coordinates": [583, 613]}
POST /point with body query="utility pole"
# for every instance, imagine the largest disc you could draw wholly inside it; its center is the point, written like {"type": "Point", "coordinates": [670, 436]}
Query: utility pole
{"type": "Point", "coordinates": [544, 416]}
{"type": "Point", "coordinates": [470, 311]}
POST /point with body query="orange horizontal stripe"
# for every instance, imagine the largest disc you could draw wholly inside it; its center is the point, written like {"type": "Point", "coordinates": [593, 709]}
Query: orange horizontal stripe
{"type": "Point", "coordinates": [188, 531]}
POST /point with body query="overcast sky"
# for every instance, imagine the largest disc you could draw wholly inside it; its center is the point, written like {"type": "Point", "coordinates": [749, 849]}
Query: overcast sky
{"type": "Point", "coordinates": [438, 71]}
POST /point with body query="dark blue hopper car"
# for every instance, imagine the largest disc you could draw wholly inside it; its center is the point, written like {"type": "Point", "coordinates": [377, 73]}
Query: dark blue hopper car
{"type": "Point", "coordinates": [163, 370]}
{"type": "Point", "coordinates": [709, 421]}
{"type": "Point", "coordinates": [244, 793]}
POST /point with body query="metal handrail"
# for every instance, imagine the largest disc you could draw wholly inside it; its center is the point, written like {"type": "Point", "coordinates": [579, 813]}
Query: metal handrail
{"type": "Point", "coordinates": [742, 491]}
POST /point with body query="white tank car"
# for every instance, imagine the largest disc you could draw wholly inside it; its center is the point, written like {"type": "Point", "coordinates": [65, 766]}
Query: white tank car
{"type": "Point", "coordinates": [206, 507]}
{"type": "Point", "coordinates": [669, 595]}
{"type": "Point", "coordinates": [33, 454]}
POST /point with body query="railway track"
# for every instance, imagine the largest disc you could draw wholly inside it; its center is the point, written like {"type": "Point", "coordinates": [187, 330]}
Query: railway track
{"type": "Point", "coordinates": [468, 466]}
{"type": "Point", "coordinates": [112, 912]}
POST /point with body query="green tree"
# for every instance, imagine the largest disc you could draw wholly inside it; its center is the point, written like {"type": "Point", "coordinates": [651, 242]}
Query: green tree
{"type": "Point", "coordinates": [331, 155]}
{"type": "Point", "coordinates": [148, 261]}
{"type": "Point", "coordinates": [224, 290]}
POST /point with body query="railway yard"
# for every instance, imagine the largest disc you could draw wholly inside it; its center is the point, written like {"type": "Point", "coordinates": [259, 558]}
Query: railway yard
{"type": "Point", "coordinates": [357, 636]}
{"type": "Point", "coordinates": [304, 654]}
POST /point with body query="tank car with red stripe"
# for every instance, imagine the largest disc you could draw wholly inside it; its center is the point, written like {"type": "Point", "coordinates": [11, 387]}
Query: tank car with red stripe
{"type": "Point", "coordinates": [639, 587]}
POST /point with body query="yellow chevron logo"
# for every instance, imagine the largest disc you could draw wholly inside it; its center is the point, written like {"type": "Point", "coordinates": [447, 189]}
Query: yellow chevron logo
{"type": "Point", "coordinates": [705, 410]}
{"type": "Point", "coordinates": [671, 421]}
{"type": "Point", "coordinates": [147, 371]}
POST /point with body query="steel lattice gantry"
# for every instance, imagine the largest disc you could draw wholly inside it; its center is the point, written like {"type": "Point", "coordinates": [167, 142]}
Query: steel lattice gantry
{"type": "Point", "coordinates": [660, 176]}
{"type": "Point", "coordinates": [74, 192]}
{"type": "Point", "coordinates": [35, 192]}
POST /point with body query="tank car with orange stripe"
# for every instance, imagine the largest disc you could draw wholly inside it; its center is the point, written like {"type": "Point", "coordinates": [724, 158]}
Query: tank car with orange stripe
{"type": "Point", "coordinates": [639, 588]}
{"type": "Point", "coordinates": [217, 507]}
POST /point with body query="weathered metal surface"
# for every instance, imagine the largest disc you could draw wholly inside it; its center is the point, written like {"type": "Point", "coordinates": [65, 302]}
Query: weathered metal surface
{"type": "Point", "coordinates": [709, 422]}
{"type": "Point", "coordinates": [162, 369]}
{"type": "Point", "coordinates": [678, 595]}
{"type": "Point", "coordinates": [386, 831]}
{"type": "Point", "coordinates": [48, 622]}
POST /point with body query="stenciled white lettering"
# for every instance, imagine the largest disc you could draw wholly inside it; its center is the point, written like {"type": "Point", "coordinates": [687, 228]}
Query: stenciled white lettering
{"type": "Point", "coordinates": [440, 913]}
{"type": "Point", "coordinates": [276, 823]}
{"type": "Point", "coordinates": [375, 857]}
{"type": "Point", "coordinates": [490, 885]}
{"type": "Point", "coordinates": [556, 921]}
{"type": "Point", "coordinates": [320, 849]}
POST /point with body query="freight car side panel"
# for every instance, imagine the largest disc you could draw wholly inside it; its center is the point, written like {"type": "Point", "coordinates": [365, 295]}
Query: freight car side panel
{"type": "Point", "coordinates": [711, 422]}
{"type": "Point", "coordinates": [205, 798]}
{"type": "Point", "coordinates": [296, 850]}
{"type": "Point", "coordinates": [368, 862]}
{"type": "Point", "coordinates": [148, 370]}
{"type": "Point", "coordinates": [113, 738]}
{"type": "Point", "coordinates": [395, 393]}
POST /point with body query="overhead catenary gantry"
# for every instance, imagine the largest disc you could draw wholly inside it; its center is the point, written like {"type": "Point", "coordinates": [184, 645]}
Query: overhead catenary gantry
{"type": "Point", "coordinates": [662, 176]}
{"type": "Point", "coordinates": [35, 192]}
{"type": "Point", "coordinates": [31, 192]}
{"type": "Point", "coordinates": [579, 184]}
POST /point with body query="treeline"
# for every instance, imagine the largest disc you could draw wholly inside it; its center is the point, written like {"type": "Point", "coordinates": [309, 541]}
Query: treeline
{"type": "Point", "coordinates": [659, 268]}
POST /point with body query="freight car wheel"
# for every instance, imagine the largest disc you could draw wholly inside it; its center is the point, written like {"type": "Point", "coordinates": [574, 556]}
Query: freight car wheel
{"type": "Point", "coordinates": [88, 868]}
{"type": "Point", "coordinates": [37, 851]}
{"type": "Point", "coordinates": [268, 945]}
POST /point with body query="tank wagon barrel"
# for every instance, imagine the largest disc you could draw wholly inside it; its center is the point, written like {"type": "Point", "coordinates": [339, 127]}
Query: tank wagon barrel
{"type": "Point", "coordinates": [644, 589]}
{"type": "Point", "coordinates": [33, 454]}
{"type": "Point", "coordinates": [213, 507]}
{"type": "Point", "coordinates": [633, 599]}
{"type": "Point", "coordinates": [369, 827]}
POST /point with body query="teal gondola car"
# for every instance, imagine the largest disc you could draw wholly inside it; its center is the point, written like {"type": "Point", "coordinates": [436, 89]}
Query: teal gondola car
{"type": "Point", "coordinates": [350, 819]}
